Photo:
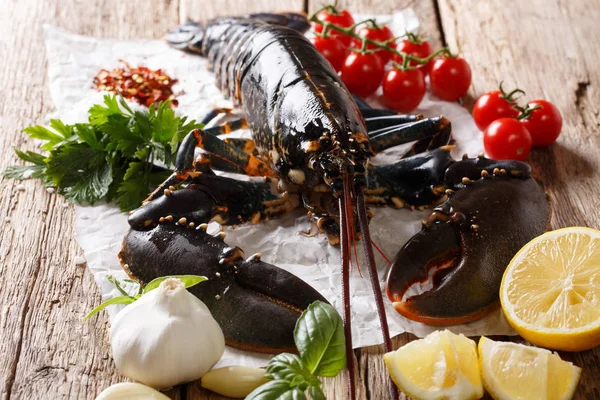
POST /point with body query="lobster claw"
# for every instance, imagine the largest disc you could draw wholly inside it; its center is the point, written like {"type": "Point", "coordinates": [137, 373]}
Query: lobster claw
{"type": "Point", "coordinates": [255, 303]}
{"type": "Point", "coordinates": [450, 272]}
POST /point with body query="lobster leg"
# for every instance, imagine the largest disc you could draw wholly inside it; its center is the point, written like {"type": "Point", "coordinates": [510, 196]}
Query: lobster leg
{"type": "Point", "coordinates": [439, 139]}
{"type": "Point", "coordinates": [376, 112]}
{"type": "Point", "coordinates": [228, 127]}
{"type": "Point", "coordinates": [215, 198]}
{"type": "Point", "coordinates": [212, 114]}
{"type": "Point", "coordinates": [230, 158]}
{"type": "Point", "coordinates": [246, 145]}
{"type": "Point", "coordinates": [395, 135]}
{"type": "Point", "coordinates": [416, 180]}
{"type": "Point", "coordinates": [388, 121]}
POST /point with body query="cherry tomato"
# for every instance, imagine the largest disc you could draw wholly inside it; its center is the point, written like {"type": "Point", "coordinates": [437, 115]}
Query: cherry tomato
{"type": "Point", "coordinates": [492, 106]}
{"type": "Point", "coordinates": [332, 48]}
{"type": "Point", "coordinates": [543, 124]}
{"type": "Point", "coordinates": [507, 139]}
{"type": "Point", "coordinates": [421, 50]}
{"type": "Point", "coordinates": [342, 18]}
{"type": "Point", "coordinates": [450, 78]}
{"type": "Point", "coordinates": [362, 73]}
{"type": "Point", "coordinates": [404, 90]}
{"type": "Point", "coordinates": [381, 34]}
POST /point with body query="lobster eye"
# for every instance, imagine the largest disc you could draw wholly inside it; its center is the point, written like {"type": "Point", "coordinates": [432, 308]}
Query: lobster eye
{"type": "Point", "coordinates": [325, 142]}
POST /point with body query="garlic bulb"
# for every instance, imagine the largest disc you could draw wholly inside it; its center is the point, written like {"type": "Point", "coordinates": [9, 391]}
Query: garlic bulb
{"type": "Point", "coordinates": [130, 391]}
{"type": "Point", "coordinates": [167, 337]}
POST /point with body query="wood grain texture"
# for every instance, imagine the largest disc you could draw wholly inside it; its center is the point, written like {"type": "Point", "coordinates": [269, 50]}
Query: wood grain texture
{"type": "Point", "coordinates": [204, 10]}
{"type": "Point", "coordinates": [549, 51]}
{"type": "Point", "coordinates": [47, 352]}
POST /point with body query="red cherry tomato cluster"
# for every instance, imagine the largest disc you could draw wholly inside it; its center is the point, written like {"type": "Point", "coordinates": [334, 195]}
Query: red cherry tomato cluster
{"type": "Point", "coordinates": [362, 65]}
{"type": "Point", "coordinates": [510, 131]}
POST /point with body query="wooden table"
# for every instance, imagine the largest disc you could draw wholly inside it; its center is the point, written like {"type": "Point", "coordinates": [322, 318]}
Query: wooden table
{"type": "Point", "coordinates": [549, 48]}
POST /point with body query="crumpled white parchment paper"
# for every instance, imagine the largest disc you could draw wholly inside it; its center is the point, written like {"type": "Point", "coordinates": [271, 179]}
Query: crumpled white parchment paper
{"type": "Point", "coordinates": [73, 61]}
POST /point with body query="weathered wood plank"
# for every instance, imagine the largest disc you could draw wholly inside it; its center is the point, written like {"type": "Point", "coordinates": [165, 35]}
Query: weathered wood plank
{"type": "Point", "coordinates": [47, 350]}
{"type": "Point", "coordinates": [548, 49]}
{"type": "Point", "coordinates": [204, 10]}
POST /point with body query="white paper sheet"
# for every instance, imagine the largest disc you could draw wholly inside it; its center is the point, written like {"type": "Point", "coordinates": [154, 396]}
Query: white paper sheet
{"type": "Point", "coordinates": [73, 62]}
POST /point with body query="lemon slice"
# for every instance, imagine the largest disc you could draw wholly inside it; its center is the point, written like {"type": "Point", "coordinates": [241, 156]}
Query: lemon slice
{"type": "Point", "coordinates": [513, 371]}
{"type": "Point", "coordinates": [440, 366]}
{"type": "Point", "coordinates": [550, 292]}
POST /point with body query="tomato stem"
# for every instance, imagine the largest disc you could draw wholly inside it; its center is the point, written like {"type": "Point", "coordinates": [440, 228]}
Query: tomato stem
{"type": "Point", "coordinates": [510, 97]}
{"type": "Point", "coordinates": [331, 8]}
{"type": "Point", "coordinates": [349, 31]}
{"type": "Point", "coordinates": [525, 112]}
{"type": "Point", "coordinates": [414, 39]}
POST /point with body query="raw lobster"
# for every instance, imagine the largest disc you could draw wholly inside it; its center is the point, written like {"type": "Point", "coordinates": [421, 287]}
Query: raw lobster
{"type": "Point", "coordinates": [312, 142]}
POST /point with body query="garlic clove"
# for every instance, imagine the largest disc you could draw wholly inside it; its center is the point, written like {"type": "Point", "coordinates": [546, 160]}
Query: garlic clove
{"type": "Point", "coordinates": [166, 338]}
{"type": "Point", "coordinates": [130, 391]}
{"type": "Point", "coordinates": [235, 381]}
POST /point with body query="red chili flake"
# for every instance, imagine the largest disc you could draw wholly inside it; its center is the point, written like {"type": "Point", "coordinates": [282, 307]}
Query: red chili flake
{"type": "Point", "coordinates": [141, 84]}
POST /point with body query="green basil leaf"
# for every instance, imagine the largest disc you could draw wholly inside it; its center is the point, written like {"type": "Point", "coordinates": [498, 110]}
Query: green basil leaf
{"type": "Point", "coordinates": [294, 394]}
{"type": "Point", "coordinates": [316, 393]}
{"type": "Point", "coordinates": [188, 280]}
{"type": "Point", "coordinates": [126, 287]}
{"type": "Point", "coordinates": [288, 367]}
{"type": "Point", "coordinates": [273, 390]}
{"type": "Point", "coordinates": [114, 300]}
{"type": "Point", "coordinates": [319, 337]}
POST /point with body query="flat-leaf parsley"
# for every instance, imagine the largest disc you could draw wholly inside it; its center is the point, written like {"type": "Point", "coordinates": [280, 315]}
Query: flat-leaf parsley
{"type": "Point", "coordinates": [111, 157]}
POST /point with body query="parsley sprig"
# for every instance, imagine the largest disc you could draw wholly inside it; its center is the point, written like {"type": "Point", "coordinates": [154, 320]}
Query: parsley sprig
{"type": "Point", "coordinates": [113, 156]}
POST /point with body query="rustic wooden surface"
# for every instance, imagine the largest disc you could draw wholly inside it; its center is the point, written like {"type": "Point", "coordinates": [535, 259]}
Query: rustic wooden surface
{"type": "Point", "coordinates": [548, 48]}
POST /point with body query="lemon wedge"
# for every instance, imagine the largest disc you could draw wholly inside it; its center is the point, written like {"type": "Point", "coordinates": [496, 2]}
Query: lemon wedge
{"type": "Point", "coordinates": [440, 366]}
{"type": "Point", "coordinates": [513, 371]}
{"type": "Point", "coordinates": [550, 292]}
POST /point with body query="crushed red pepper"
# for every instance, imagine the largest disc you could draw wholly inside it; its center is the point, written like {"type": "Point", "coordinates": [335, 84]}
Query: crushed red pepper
{"type": "Point", "coordinates": [140, 83]}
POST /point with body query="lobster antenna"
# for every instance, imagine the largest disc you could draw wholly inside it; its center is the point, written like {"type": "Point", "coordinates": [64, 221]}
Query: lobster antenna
{"type": "Point", "coordinates": [380, 252]}
{"type": "Point", "coordinates": [367, 242]}
{"type": "Point", "coordinates": [345, 257]}
{"type": "Point", "coordinates": [350, 224]}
